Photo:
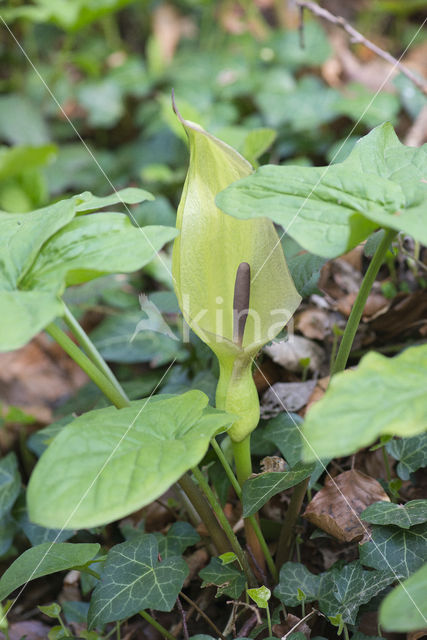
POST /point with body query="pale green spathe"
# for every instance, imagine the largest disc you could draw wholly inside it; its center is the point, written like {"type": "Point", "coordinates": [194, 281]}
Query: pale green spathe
{"type": "Point", "coordinates": [206, 256]}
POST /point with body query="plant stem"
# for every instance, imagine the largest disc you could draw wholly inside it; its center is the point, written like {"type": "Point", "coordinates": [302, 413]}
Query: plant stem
{"type": "Point", "coordinates": [243, 461]}
{"type": "Point", "coordinates": [91, 351]}
{"type": "Point", "coordinates": [224, 523]}
{"type": "Point", "coordinates": [235, 484]}
{"type": "Point", "coordinates": [359, 304]}
{"type": "Point", "coordinates": [165, 633]}
{"type": "Point", "coordinates": [87, 365]}
{"type": "Point", "coordinates": [270, 632]}
{"type": "Point", "coordinates": [208, 518]}
{"type": "Point", "coordinates": [287, 532]}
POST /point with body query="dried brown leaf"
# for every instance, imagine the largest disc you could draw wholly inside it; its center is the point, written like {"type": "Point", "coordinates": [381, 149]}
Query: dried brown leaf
{"type": "Point", "coordinates": [336, 507]}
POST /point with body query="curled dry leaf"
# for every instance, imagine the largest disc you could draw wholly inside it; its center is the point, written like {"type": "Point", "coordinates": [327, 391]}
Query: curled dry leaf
{"type": "Point", "coordinates": [289, 354]}
{"type": "Point", "coordinates": [286, 396]}
{"type": "Point", "coordinates": [336, 508]}
{"type": "Point", "coordinates": [314, 323]}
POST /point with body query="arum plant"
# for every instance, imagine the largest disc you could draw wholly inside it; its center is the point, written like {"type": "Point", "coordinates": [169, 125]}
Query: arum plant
{"type": "Point", "coordinates": [231, 281]}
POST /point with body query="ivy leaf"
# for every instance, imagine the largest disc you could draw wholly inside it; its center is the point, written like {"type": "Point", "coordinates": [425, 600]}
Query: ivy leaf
{"type": "Point", "coordinates": [405, 608]}
{"type": "Point", "coordinates": [340, 592]}
{"type": "Point", "coordinates": [10, 483]}
{"type": "Point", "coordinates": [401, 515]}
{"type": "Point", "coordinates": [229, 580]}
{"type": "Point", "coordinates": [410, 452]}
{"type": "Point", "coordinates": [133, 579]}
{"type": "Point", "coordinates": [295, 576]}
{"type": "Point", "coordinates": [343, 591]}
{"type": "Point", "coordinates": [404, 551]}
{"type": "Point", "coordinates": [92, 245]}
{"type": "Point", "coordinates": [112, 462]}
{"type": "Point", "coordinates": [86, 201]}
{"type": "Point", "coordinates": [180, 536]}
{"type": "Point", "coordinates": [339, 424]}
{"type": "Point", "coordinates": [43, 560]}
{"type": "Point", "coordinates": [257, 491]}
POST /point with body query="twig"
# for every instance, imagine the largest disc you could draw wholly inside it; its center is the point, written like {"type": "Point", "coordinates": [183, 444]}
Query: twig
{"type": "Point", "coordinates": [288, 527]}
{"type": "Point", "coordinates": [357, 37]}
{"type": "Point", "coordinates": [202, 613]}
{"type": "Point", "coordinates": [184, 620]}
{"type": "Point", "coordinates": [312, 612]}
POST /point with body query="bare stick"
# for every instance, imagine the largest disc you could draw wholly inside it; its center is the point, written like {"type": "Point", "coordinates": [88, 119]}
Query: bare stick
{"type": "Point", "coordinates": [357, 37]}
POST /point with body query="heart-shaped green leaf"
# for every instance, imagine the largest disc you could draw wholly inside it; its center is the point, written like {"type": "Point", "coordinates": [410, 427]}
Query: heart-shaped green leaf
{"type": "Point", "coordinates": [92, 245]}
{"type": "Point", "coordinates": [112, 462]}
{"type": "Point", "coordinates": [339, 424]}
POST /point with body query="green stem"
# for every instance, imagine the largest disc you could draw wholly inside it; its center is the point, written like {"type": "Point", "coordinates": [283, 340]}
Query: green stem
{"type": "Point", "coordinates": [208, 518]}
{"type": "Point", "coordinates": [243, 462]}
{"type": "Point", "coordinates": [292, 514]}
{"type": "Point", "coordinates": [165, 633]}
{"type": "Point", "coordinates": [346, 636]}
{"type": "Point", "coordinates": [216, 507]}
{"type": "Point", "coordinates": [270, 632]}
{"type": "Point", "coordinates": [235, 484]}
{"type": "Point", "coordinates": [91, 351]}
{"type": "Point", "coordinates": [87, 365]}
{"type": "Point", "coordinates": [359, 304]}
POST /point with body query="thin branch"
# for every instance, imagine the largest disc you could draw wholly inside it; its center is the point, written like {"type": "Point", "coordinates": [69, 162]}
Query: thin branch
{"type": "Point", "coordinates": [357, 37]}
{"type": "Point", "coordinates": [203, 614]}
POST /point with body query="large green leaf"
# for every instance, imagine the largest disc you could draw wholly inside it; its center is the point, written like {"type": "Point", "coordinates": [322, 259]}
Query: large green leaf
{"type": "Point", "coordinates": [401, 515]}
{"type": "Point", "coordinates": [328, 210]}
{"type": "Point", "coordinates": [135, 578]}
{"type": "Point", "coordinates": [86, 201]}
{"type": "Point", "coordinates": [92, 245]}
{"type": "Point", "coordinates": [229, 580]}
{"type": "Point", "coordinates": [405, 608]}
{"type": "Point", "coordinates": [10, 483]}
{"type": "Point", "coordinates": [15, 160]}
{"type": "Point", "coordinates": [381, 153]}
{"type": "Point", "coordinates": [24, 314]}
{"type": "Point", "coordinates": [22, 236]}
{"type": "Point", "coordinates": [410, 452]}
{"type": "Point", "coordinates": [43, 560]}
{"type": "Point", "coordinates": [322, 208]}
{"type": "Point", "coordinates": [257, 491]}
{"type": "Point", "coordinates": [108, 463]}
{"type": "Point", "coordinates": [340, 423]}
{"type": "Point", "coordinates": [401, 551]}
